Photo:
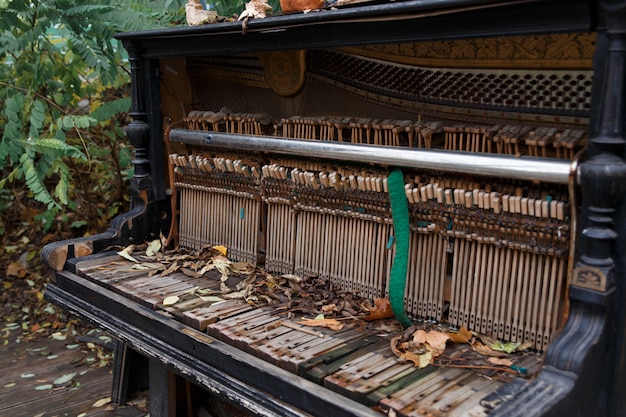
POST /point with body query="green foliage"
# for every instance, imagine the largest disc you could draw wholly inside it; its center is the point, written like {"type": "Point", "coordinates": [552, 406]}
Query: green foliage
{"type": "Point", "coordinates": [63, 102]}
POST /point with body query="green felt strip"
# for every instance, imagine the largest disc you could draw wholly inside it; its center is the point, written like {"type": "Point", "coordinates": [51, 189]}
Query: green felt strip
{"type": "Point", "coordinates": [400, 214]}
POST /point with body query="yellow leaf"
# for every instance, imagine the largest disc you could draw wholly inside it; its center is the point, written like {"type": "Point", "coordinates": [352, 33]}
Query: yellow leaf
{"type": "Point", "coordinates": [172, 299]}
{"type": "Point", "coordinates": [421, 361]}
{"type": "Point", "coordinates": [221, 249]}
{"type": "Point", "coordinates": [153, 247]}
{"type": "Point", "coordinates": [126, 253]}
{"type": "Point", "coordinates": [101, 402]}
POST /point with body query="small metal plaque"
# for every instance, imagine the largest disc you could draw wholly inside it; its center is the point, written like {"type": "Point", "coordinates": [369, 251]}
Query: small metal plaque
{"type": "Point", "coordinates": [201, 337]}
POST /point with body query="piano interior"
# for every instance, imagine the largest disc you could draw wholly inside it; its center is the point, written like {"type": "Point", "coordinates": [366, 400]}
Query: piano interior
{"type": "Point", "coordinates": [491, 255]}
{"type": "Point", "coordinates": [484, 251]}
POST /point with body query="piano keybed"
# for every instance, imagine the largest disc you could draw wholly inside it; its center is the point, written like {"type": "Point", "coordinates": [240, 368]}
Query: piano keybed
{"type": "Point", "coordinates": [355, 361]}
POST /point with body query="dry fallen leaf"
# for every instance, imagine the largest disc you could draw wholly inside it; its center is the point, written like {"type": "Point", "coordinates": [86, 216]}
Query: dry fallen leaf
{"type": "Point", "coordinates": [329, 323]}
{"type": "Point", "coordinates": [153, 247]}
{"type": "Point", "coordinates": [101, 402]}
{"type": "Point", "coordinates": [420, 360]}
{"type": "Point", "coordinates": [436, 340]}
{"type": "Point", "coordinates": [64, 380]}
{"type": "Point", "coordinates": [486, 350]}
{"type": "Point", "coordinates": [510, 347]}
{"type": "Point", "coordinates": [394, 346]}
{"type": "Point", "coordinates": [221, 263]}
{"type": "Point", "coordinates": [221, 249]}
{"type": "Point", "coordinates": [237, 294]}
{"type": "Point", "coordinates": [462, 336]}
{"type": "Point", "coordinates": [419, 346]}
{"type": "Point", "coordinates": [329, 308]}
{"type": "Point", "coordinates": [173, 267]}
{"type": "Point", "coordinates": [381, 310]}
{"type": "Point", "coordinates": [126, 253]}
{"type": "Point", "coordinates": [190, 273]}
{"type": "Point", "coordinates": [242, 267]}
{"type": "Point", "coordinates": [500, 361]}
{"type": "Point", "coordinates": [15, 269]}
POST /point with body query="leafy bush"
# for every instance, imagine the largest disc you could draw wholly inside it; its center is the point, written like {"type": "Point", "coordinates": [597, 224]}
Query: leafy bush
{"type": "Point", "coordinates": [63, 103]}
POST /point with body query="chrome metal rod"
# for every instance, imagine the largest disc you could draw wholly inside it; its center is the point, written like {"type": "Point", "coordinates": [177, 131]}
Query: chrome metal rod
{"type": "Point", "coordinates": [491, 165]}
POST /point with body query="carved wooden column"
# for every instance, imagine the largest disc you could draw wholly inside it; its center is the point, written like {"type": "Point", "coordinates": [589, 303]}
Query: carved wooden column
{"type": "Point", "coordinates": [138, 130]}
{"type": "Point", "coordinates": [610, 145]}
{"type": "Point", "coordinates": [596, 279]}
{"type": "Point", "coordinates": [602, 176]}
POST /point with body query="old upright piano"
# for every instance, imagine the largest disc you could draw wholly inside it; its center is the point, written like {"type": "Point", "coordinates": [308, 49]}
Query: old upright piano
{"type": "Point", "coordinates": [463, 159]}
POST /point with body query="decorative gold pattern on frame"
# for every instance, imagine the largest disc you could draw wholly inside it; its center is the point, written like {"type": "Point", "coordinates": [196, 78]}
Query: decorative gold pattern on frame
{"type": "Point", "coordinates": [284, 71]}
{"type": "Point", "coordinates": [555, 51]}
{"type": "Point", "coordinates": [590, 278]}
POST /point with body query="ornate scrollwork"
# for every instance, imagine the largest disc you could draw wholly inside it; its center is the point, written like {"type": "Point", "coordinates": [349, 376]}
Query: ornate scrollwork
{"type": "Point", "coordinates": [554, 51]}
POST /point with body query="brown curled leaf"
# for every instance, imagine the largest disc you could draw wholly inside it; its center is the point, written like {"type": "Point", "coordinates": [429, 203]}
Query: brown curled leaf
{"type": "Point", "coordinates": [381, 310]}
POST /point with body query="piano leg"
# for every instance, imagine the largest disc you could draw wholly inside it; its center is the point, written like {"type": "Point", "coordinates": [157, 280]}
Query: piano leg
{"type": "Point", "coordinates": [130, 373]}
{"type": "Point", "coordinates": [162, 381]}
{"type": "Point", "coordinates": [119, 390]}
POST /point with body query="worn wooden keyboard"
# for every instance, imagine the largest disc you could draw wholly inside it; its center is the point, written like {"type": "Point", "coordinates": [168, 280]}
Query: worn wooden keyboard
{"type": "Point", "coordinates": [356, 361]}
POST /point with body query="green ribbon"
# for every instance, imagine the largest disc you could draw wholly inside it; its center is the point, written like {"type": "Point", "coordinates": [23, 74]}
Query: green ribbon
{"type": "Point", "coordinates": [400, 216]}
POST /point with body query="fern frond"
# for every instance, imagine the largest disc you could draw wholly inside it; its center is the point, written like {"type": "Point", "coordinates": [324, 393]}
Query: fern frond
{"type": "Point", "coordinates": [37, 118]}
{"type": "Point", "coordinates": [60, 191]}
{"type": "Point", "coordinates": [88, 9]}
{"type": "Point", "coordinates": [95, 57]}
{"type": "Point", "coordinates": [33, 35]}
{"type": "Point", "coordinates": [11, 147]}
{"type": "Point", "coordinates": [47, 145]}
{"type": "Point", "coordinates": [35, 183]}
{"type": "Point", "coordinates": [107, 110]}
